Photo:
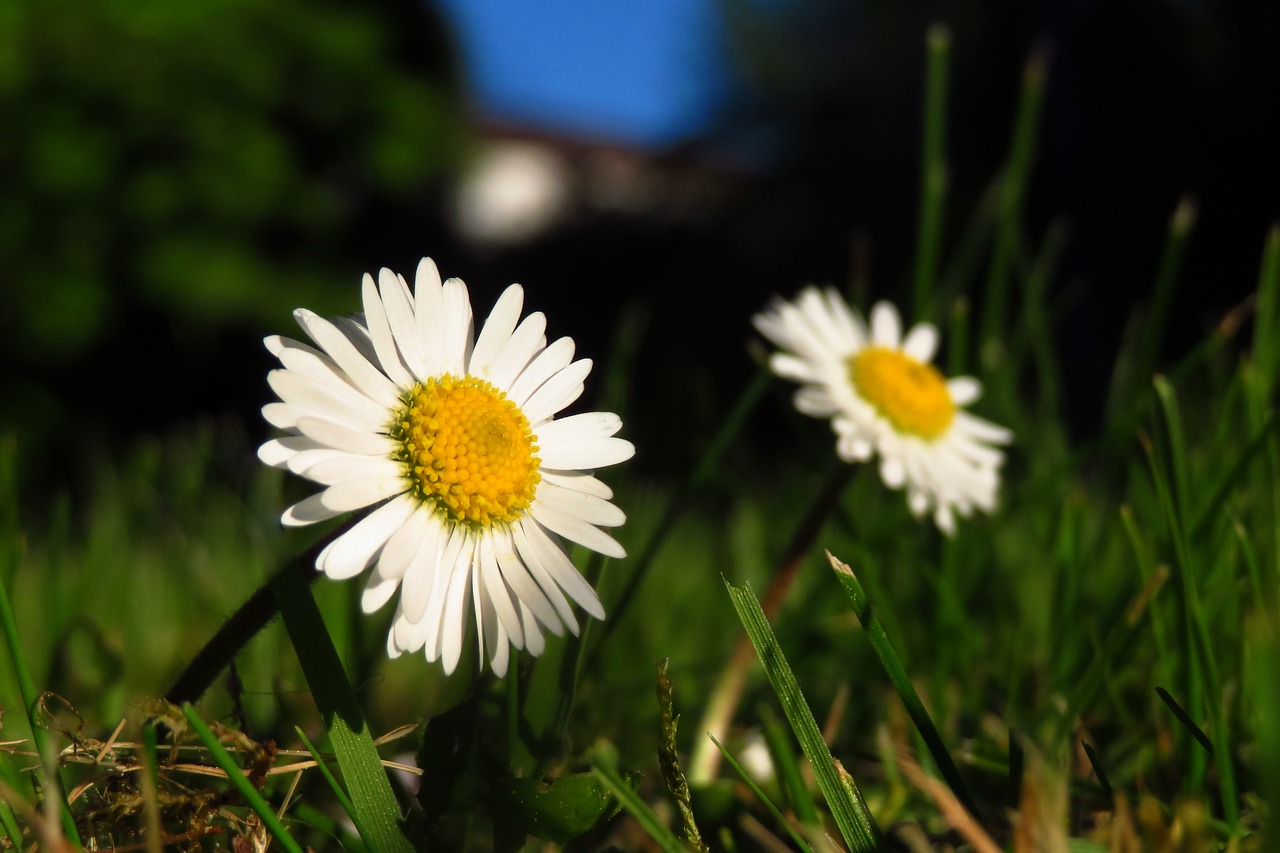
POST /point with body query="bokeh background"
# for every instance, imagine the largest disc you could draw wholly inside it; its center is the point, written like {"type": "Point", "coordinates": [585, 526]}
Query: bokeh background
{"type": "Point", "coordinates": [174, 179]}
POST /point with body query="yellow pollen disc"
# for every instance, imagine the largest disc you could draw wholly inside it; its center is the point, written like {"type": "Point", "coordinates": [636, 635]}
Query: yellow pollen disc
{"type": "Point", "coordinates": [468, 450]}
{"type": "Point", "coordinates": [910, 395]}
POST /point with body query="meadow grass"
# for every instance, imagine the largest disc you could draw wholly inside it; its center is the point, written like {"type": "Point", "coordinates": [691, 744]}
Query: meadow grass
{"type": "Point", "coordinates": [1090, 668]}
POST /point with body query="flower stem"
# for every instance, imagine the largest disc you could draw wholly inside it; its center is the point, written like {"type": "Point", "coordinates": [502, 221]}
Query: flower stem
{"type": "Point", "coordinates": [254, 615]}
{"type": "Point", "coordinates": [728, 690]}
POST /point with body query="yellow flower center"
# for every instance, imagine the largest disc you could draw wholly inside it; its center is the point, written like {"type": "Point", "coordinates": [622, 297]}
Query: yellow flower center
{"type": "Point", "coordinates": [468, 450]}
{"type": "Point", "coordinates": [910, 395]}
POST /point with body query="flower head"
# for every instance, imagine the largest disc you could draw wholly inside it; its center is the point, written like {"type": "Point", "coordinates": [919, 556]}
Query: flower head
{"type": "Point", "coordinates": [884, 397]}
{"type": "Point", "coordinates": [450, 446]}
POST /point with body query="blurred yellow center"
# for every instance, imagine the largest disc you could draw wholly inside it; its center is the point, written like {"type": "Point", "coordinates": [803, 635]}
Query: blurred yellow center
{"type": "Point", "coordinates": [468, 450]}
{"type": "Point", "coordinates": [910, 395]}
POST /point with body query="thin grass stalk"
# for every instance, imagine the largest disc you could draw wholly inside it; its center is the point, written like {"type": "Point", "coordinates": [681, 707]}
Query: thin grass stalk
{"type": "Point", "coordinates": [727, 691]}
{"type": "Point", "coordinates": [236, 776]}
{"type": "Point", "coordinates": [897, 674]}
{"type": "Point", "coordinates": [1013, 184]}
{"type": "Point", "coordinates": [371, 795]}
{"type": "Point", "coordinates": [782, 820]}
{"type": "Point", "coordinates": [1134, 368]}
{"type": "Point", "coordinates": [855, 821]}
{"type": "Point", "coordinates": [788, 769]}
{"type": "Point", "coordinates": [31, 705]}
{"type": "Point", "coordinates": [339, 794]}
{"type": "Point", "coordinates": [933, 168]}
{"type": "Point", "coordinates": [707, 465]}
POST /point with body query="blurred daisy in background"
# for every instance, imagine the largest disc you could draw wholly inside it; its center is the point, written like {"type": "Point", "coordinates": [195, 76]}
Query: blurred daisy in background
{"type": "Point", "coordinates": [885, 398]}
{"type": "Point", "coordinates": [450, 446]}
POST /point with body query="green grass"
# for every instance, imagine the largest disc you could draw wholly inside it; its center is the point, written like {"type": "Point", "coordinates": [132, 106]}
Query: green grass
{"type": "Point", "coordinates": [1090, 662]}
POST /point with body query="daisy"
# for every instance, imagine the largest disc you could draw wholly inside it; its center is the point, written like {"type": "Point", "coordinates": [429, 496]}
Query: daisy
{"type": "Point", "coordinates": [884, 397]}
{"type": "Point", "coordinates": [450, 447]}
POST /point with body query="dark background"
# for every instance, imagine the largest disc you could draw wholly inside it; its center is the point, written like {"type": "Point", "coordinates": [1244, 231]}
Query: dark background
{"type": "Point", "coordinates": [173, 181]}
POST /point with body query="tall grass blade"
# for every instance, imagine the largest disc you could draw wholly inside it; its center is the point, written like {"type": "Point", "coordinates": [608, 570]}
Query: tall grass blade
{"type": "Point", "coordinates": [1013, 183]}
{"type": "Point", "coordinates": [339, 794]}
{"type": "Point", "coordinates": [763, 798]}
{"type": "Point", "coordinates": [371, 794]}
{"type": "Point", "coordinates": [845, 801]}
{"type": "Point", "coordinates": [897, 674]}
{"type": "Point", "coordinates": [1185, 718]}
{"type": "Point", "coordinates": [1096, 764]}
{"type": "Point", "coordinates": [9, 553]}
{"type": "Point", "coordinates": [933, 168]}
{"type": "Point", "coordinates": [236, 776]}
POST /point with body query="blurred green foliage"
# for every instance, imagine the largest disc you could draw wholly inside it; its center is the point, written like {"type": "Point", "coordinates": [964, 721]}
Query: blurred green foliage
{"type": "Point", "coordinates": [207, 159]}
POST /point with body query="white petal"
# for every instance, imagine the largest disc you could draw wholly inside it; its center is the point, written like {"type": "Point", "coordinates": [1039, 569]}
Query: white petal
{"type": "Point", "coordinates": [982, 430]}
{"type": "Point", "coordinates": [578, 427]}
{"type": "Point", "coordinates": [426, 542]}
{"type": "Point", "coordinates": [308, 511]}
{"type": "Point", "coordinates": [590, 509]}
{"type": "Point", "coordinates": [521, 583]}
{"type": "Point", "coordinates": [964, 390]}
{"type": "Point", "coordinates": [457, 327]}
{"type": "Point", "coordinates": [448, 564]}
{"type": "Point", "coordinates": [340, 437]}
{"type": "Point", "coordinates": [534, 558]}
{"type": "Point", "coordinates": [794, 368]}
{"type": "Point", "coordinates": [278, 451]}
{"type": "Point", "coordinates": [546, 364]}
{"type": "Point", "coordinates": [577, 530]}
{"type": "Point", "coordinates": [312, 362]}
{"type": "Point", "coordinates": [893, 472]}
{"type": "Point", "coordinates": [557, 392]}
{"type": "Point", "coordinates": [586, 455]}
{"type": "Point", "coordinates": [578, 482]}
{"type": "Point", "coordinates": [340, 467]}
{"type": "Point", "coordinates": [815, 401]}
{"type": "Point", "coordinates": [533, 640]}
{"type": "Point", "coordinates": [886, 328]}
{"type": "Point", "coordinates": [377, 592]}
{"type": "Point", "coordinates": [430, 316]}
{"type": "Point", "coordinates": [370, 379]}
{"type": "Point", "coordinates": [400, 317]}
{"type": "Point", "coordinates": [337, 402]}
{"type": "Point", "coordinates": [490, 578]}
{"type": "Point", "coordinates": [496, 332]}
{"type": "Point", "coordinates": [304, 459]}
{"type": "Point", "coordinates": [384, 342]}
{"type": "Point", "coordinates": [454, 628]}
{"type": "Point", "coordinates": [553, 560]}
{"type": "Point", "coordinates": [921, 342]}
{"type": "Point", "coordinates": [851, 327]}
{"type": "Point", "coordinates": [403, 545]}
{"type": "Point", "coordinates": [356, 494]}
{"type": "Point", "coordinates": [352, 552]}
{"type": "Point", "coordinates": [525, 342]}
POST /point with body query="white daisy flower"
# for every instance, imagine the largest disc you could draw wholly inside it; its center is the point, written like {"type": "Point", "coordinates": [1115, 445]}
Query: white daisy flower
{"type": "Point", "coordinates": [451, 447]}
{"type": "Point", "coordinates": [884, 397]}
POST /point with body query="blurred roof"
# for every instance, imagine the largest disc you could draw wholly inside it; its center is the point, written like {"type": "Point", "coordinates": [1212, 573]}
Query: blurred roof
{"type": "Point", "coordinates": [644, 74]}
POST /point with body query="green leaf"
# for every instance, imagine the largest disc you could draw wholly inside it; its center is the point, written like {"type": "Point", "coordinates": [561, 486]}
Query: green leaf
{"type": "Point", "coordinates": [845, 801]}
{"type": "Point", "coordinates": [260, 806]}
{"type": "Point", "coordinates": [560, 810]}
{"type": "Point", "coordinates": [377, 812]}
{"type": "Point", "coordinates": [624, 792]}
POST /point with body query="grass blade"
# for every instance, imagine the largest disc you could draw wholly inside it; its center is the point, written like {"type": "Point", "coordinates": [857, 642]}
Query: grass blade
{"type": "Point", "coordinates": [371, 796]}
{"type": "Point", "coordinates": [1098, 771]}
{"type": "Point", "coordinates": [847, 806]}
{"type": "Point", "coordinates": [13, 645]}
{"type": "Point", "coordinates": [341, 795]}
{"type": "Point", "coordinates": [637, 808]}
{"type": "Point", "coordinates": [236, 776]}
{"type": "Point", "coordinates": [788, 769]}
{"type": "Point", "coordinates": [898, 677]}
{"type": "Point", "coordinates": [763, 798]}
{"type": "Point", "coordinates": [669, 760]}
{"type": "Point", "coordinates": [933, 168]}
{"type": "Point", "coordinates": [1185, 718]}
